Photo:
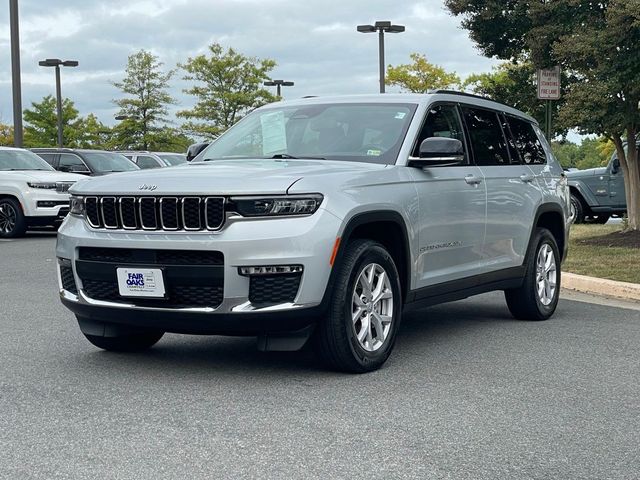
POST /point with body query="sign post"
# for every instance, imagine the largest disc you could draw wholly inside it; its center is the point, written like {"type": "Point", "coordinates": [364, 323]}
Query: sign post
{"type": "Point", "coordinates": [549, 89]}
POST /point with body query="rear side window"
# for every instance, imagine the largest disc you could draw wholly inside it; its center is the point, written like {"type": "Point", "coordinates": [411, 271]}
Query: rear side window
{"type": "Point", "coordinates": [527, 142]}
{"type": "Point", "coordinates": [487, 141]}
{"type": "Point", "coordinates": [145, 162]}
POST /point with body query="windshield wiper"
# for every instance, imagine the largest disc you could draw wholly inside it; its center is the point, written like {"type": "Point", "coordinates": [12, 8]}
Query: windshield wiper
{"type": "Point", "coordinates": [291, 157]}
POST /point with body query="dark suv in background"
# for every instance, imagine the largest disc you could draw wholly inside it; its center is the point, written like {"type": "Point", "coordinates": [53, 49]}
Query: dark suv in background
{"type": "Point", "coordinates": [86, 162]}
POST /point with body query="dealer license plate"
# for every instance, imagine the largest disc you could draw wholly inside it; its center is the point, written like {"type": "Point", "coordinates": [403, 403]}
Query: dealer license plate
{"type": "Point", "coordinates": [140, 282]}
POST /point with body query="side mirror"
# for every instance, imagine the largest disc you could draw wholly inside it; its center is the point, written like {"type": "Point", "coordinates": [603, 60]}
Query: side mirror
{"type": "Point", "coordinates": [615, 166]}
{"type": "Point", "coordinates": [439, 151]}
{"type": "Point", "coordinates": [195, 149]}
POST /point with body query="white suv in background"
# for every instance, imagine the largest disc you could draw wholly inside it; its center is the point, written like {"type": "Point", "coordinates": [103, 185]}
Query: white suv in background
{"type": "Point", "coordinates": [32, 193]}
{"type": "Point", "coordinates": [146, 160]}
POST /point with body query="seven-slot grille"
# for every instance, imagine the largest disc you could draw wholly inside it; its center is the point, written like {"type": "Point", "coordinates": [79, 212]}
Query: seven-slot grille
{"type": "Point", "coordinates": [192, 213]}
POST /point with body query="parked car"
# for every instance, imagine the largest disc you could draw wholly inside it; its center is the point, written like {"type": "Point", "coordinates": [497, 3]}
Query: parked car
{"type": "Point", "coordinates": [194, 150]}
{"type": "Point", "coordinates": [597, 193]}
{"type": "Point", "coordinates": [323, 218]}
{"type": "Point", "coordinates": [85, 162]}
{"type": "Point", "coordinates": [32, 193]}
{"type": "Point", "coordinates": [146, 160]}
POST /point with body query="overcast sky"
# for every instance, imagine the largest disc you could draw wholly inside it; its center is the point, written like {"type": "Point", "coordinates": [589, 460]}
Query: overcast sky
{"type": "Point", "coordinates": [313, 41]}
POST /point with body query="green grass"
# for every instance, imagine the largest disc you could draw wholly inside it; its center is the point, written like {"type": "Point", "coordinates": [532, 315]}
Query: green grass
{"type": "Point", "coordinates": [614, 263]}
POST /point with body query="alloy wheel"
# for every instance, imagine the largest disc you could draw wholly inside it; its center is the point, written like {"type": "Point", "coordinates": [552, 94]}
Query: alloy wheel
{"type": "Point", "coordinates": [372, 307]}
{"type": "Point", "coordinates": [546, 274]}
{"type": "Point", "coordinates": [8, 218]}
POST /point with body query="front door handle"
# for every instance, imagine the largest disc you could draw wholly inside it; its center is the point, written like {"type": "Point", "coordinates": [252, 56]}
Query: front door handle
{"type": "Point", "coordinates": [472, 179]}
{"type": "Point", "coordinates": [527, 177]}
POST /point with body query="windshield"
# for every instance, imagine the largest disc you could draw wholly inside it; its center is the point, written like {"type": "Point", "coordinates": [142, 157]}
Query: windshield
{"type": "Point", "coordinates": [22, 160]}
{"type": "Point", "coordinates": [102, 162]}
{"type": "Point", "coordinates": [358, 132]}
{"type": "Point", "coordinates": [173, 159]}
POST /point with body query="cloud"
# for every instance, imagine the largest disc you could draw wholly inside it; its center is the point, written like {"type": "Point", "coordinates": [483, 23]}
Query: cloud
{"type": "Point", "coordinates": [314, 42]}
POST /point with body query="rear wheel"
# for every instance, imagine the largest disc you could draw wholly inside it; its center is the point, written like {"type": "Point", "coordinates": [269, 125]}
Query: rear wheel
{"type": "Point", "coordinates": [537, 298]}
{"type": "Point", "coordinates": [12, 221]}
{"type": "Point", "coordinates": [577, 209]}
{"type": "Point", "coordinates": [360, 329]}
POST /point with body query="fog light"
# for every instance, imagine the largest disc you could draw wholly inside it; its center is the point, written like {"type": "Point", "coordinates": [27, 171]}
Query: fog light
{"type": "Point", "coordinates": [270, 270]}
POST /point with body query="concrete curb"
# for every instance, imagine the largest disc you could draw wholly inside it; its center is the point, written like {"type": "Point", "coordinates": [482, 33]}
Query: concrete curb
{"type": "Point", "coordinates": [601, 286]}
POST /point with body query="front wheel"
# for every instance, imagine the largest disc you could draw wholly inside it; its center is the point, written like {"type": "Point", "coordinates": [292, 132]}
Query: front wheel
{"type": "Point", "coordinates": [537, 298]}
{"type": "Point", "coordinates": [12, 221]}
{"type": "Point", "coordinates": [366, 304]}
{"type": "Point", "coordinates": [576, 209]}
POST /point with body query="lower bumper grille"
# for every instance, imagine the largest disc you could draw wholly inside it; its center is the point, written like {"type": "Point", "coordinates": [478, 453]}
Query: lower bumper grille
{"type": "Point", "coordinates": [191, 278]}
{"type": "Point", "coordinates": [68, 281]}
{"type": "Point", "coordinates": [272, 289]}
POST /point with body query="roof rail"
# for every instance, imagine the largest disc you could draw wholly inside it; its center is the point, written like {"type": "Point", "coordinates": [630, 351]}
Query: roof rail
{"type": "Point", "coordinates": [465, 94]}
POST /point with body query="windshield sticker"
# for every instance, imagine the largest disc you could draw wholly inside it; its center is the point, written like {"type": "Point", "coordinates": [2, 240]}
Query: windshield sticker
{"type": "Point", "coordinates": [374, 153]}
{"type": "Point", "coordinates": [401, 115]}
{"type": "Point", "coordinates": [274, 134]}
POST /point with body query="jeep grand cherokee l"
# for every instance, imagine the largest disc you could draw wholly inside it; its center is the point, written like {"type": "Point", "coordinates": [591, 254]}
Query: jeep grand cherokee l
{"type": "Point", "coordinates": [322, 219]}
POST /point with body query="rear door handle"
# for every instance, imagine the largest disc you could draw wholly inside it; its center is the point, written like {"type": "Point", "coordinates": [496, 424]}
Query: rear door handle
{"type": "Point", "coordinates": [472, 179]}
{"type": "Point", "coordinates": [527, 177]}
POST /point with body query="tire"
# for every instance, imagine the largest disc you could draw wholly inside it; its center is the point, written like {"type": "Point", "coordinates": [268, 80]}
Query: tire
{"type": "Point", "coordinates": [12, 221]}
{"type": "Point", "coordinates": [527, 302]}
{"type": "Point", "coordinates": [131, 342]}
{"type": "Point", "coordinates": [336, 338]}
{"type": "Point", "coordinates": [577, 209]}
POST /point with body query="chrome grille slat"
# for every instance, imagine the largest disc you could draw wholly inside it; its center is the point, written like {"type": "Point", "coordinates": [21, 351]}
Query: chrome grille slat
{"type": "Point", "coordinates": [189, 213]}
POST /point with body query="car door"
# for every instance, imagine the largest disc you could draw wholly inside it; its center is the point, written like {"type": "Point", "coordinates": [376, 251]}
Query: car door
{"type": "Point", "coordinates": [452, 202]}
{"type": "Point", "coordinates": [617, 197]}
{"type": "Point", "coordinates": [512, 193]}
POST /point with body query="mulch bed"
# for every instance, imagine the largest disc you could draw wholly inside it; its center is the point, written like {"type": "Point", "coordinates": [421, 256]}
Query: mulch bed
{"type": "Point", "coordinates": [616, 239]}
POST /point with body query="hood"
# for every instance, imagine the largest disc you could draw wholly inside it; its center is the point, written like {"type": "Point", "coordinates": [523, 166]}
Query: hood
{"type": "Point", "coordinates": [42, 176]}
{"type": "Point", "coordinates": [589, 172]}
{"type": "Point", "coordinates": [219, 177]}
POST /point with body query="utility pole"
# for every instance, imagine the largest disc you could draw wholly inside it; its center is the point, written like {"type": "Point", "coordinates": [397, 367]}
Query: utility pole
{"type": "Point", "coordinates": [15, 74]}
{"type": "Point", "coordinates": [381, 28]}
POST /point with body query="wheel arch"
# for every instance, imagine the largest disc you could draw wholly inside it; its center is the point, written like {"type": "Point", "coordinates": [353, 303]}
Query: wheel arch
{"type": "Point", "coordinates": [551, 217]}
{"type": "Point", "coordinates": [389, 229]}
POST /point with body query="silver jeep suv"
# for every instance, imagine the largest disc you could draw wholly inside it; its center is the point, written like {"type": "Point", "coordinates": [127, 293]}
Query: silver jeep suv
{"type": "Point", "coordinates": [322, 219]}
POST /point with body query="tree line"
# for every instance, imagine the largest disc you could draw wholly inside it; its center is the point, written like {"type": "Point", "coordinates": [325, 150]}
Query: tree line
{"type": "Point", "coordinates": [225, 85]}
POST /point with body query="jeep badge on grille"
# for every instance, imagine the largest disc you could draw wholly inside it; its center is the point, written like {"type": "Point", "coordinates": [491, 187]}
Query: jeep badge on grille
{"type": "Point", "coordinates": [149, 188]}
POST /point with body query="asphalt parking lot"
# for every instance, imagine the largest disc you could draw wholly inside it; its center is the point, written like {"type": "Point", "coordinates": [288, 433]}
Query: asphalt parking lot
{"type": "Point", "coordinates": [468, 393]}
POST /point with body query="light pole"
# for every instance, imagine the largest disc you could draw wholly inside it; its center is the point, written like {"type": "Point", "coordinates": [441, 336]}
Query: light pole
{"type": "Point", "coordinates": [15, 74]}
{"type": "Point", "coordinates": [55, 62]}
{"type": "Point", "coordinates": [381, 28]}
{"type": "Point", "coordinates": [278, 84]}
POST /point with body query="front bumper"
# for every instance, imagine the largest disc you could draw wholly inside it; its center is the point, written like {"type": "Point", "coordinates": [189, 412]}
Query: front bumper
{"type": "Point", "coordinates": [306, 241]}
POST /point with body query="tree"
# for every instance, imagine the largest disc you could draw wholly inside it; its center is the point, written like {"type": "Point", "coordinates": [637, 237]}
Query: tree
{"type": "Point", "coordinates": [596, 42]}
{"type": "Point", "coordinates": [228, 86]}
{"type": "Point", "coordinates": [145, 105]}
{"type": "Point", "coordinates": [6, 135]}
{"type": "Point", "coordinates": [421, 75]}
{"type": "Point", "coordinates": [514, 83]}
{"type": "Point", "coordinates": [94, 134]}
{"type": "Point", "coordinates": [41, 123]}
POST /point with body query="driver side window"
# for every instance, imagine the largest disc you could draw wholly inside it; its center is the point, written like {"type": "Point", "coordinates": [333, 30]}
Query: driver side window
{"type": "Point", "coordinates": [442, 121]}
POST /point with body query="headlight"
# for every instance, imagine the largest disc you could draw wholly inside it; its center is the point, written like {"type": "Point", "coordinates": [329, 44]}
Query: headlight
{"type": "Point", "coordinates": [76, 205]}
{"type": "Point", "coordinates": [46, 185]}
{"type": "Point", "coordinates": [277, 206]}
